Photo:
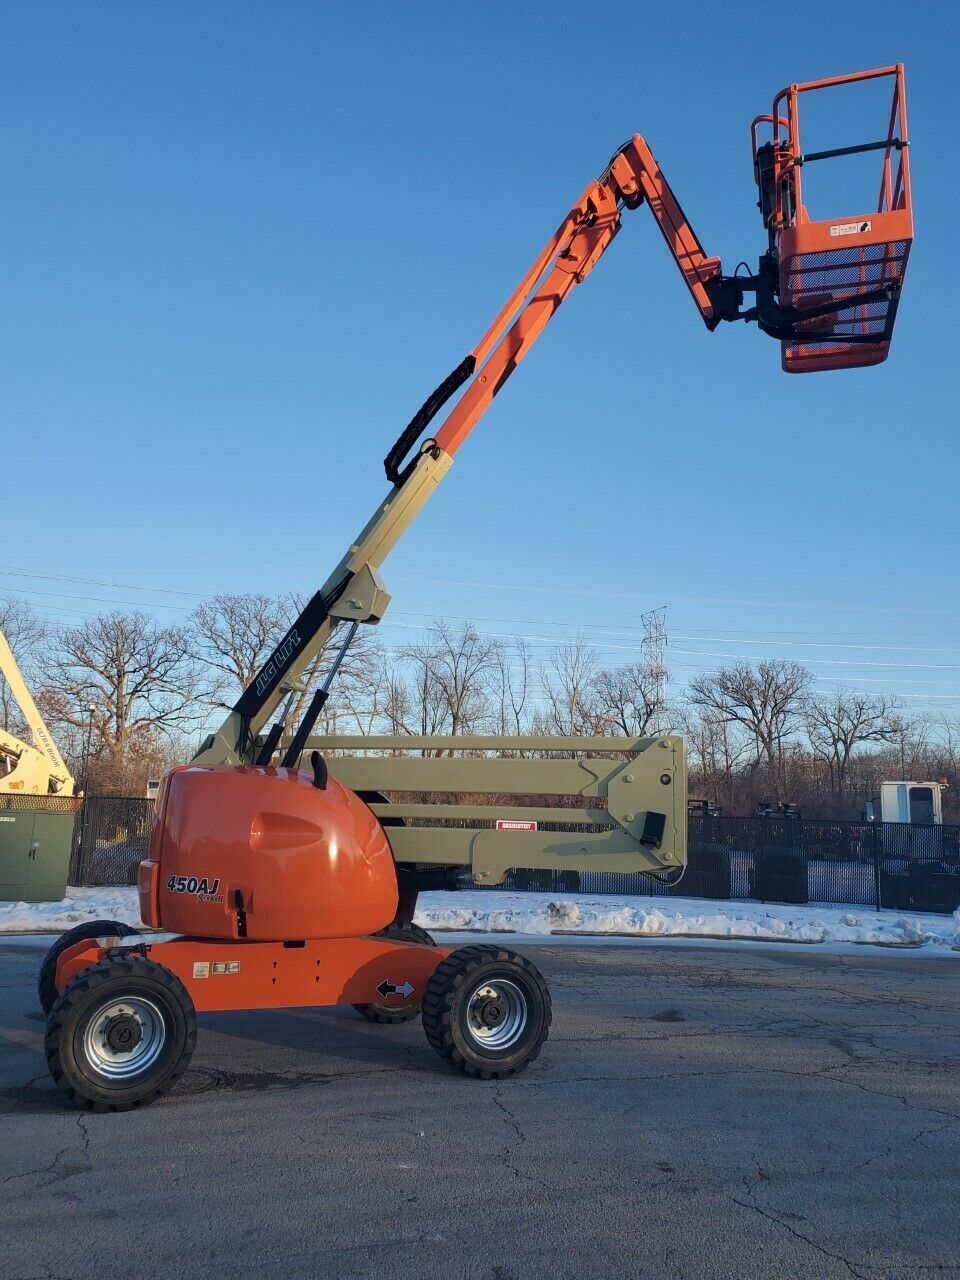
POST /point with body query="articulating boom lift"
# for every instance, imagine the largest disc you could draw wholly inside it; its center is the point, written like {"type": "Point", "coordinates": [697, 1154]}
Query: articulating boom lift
{"type": "Point", "coordinates": [280, 886]}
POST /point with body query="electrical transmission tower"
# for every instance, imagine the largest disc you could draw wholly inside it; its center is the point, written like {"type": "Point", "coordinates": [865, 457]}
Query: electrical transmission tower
{"type": "Point", "coordinates": [654, 649]}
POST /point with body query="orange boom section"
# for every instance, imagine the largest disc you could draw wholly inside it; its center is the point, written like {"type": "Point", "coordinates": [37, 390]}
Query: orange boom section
{"type": "Point", "coordinates": [263, 854]}
{"type": "Point", "coordinates": [839, 279]}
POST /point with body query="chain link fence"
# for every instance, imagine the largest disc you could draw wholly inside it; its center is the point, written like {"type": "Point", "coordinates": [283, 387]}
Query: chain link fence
{"type": "Point", "coordinates": [792, 860]}
{"type": "Point", "coordinates": [111, 837]}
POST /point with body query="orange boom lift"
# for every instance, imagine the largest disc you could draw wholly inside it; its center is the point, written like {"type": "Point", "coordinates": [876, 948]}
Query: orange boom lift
{"type": "Point", "coordinates": [273, 886]}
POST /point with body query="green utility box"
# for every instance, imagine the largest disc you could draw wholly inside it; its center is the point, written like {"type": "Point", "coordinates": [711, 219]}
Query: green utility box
{"type": "Point", "coordinates": [36, 834]}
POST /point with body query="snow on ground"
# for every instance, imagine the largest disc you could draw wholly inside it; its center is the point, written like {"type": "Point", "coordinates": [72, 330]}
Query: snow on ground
{"type": "Point", "coordinates": [542, 913]}
{"type": "Point", "coordinates": [547, 914]}
{"type": "Point", "coordinates": [114, 902]}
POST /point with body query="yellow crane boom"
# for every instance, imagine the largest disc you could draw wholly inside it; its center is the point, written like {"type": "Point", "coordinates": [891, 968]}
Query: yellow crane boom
{"type": "Point", "coordinates": [38, 769]}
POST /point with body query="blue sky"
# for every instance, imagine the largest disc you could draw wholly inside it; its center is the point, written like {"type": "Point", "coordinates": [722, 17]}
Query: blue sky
{"type": "Point", "coordinates": [243, 241]}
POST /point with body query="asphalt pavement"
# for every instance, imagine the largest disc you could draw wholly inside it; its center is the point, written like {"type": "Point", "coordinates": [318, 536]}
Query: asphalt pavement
{"type": "Point", "coordinates": [699, 1111]}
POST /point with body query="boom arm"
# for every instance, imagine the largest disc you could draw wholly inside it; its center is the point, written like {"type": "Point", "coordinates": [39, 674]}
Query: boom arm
{"type": "Point", "coordinates": [354, 591]}
{"type": "Point", "coordinates": [632, 177]}
{"type": "Point", "coordinates": [45, 746]}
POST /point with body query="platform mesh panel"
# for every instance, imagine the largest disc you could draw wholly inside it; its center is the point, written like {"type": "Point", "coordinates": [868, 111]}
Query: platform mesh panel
{"type": "Point", "coordinates": [814, 279]}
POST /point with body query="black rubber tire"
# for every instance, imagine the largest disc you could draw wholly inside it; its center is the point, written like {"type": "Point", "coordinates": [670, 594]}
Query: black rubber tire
{"type": "Point", "coordinates": [47, 977]}
{"type": "Point", "coordinates": [393, 1012]}
{"type": "Point", "coordinates": [446, 1001]}
{"type": "Point", "coordinates": [115, 979]}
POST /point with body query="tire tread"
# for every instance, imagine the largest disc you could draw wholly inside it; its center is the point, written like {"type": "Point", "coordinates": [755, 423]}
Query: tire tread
{"type": "Point", "coordinates": [47, 977]}
{"type": "Point", "coordinates": [441, 996]}
{"type": "Point", "coordinates": [122, 966]}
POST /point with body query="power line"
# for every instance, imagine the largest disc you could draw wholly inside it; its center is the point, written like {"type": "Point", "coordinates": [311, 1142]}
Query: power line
{"type": "Point", "coordinates": [525, 587]}
{"type": "Point", "coordinates": [609, 647]}
{"type": "Point", "coordinates": [626, 595]}
{"type": "Point", "coordinates": [134, 604]}
{"type": "Point", "coordinates": [605, 645]}
{"type": "Point", "coordinates": [838, 662]}
{"type": "Point", "coordinates": [698, 636]}
{"type": "Point", "coordinates": [9, 571]}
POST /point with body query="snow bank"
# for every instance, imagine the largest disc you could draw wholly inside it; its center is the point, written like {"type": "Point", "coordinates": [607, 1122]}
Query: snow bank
{"type": "Point", "coordinates": [115, 902]}
{"type": "Point", "coordinates": [548, 914]}
{"type": "Point", "coordinates": [531, 913]}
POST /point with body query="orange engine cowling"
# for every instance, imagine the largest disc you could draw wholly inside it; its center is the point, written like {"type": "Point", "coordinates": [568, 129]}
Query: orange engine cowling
{"type": "Point", "coordinates": [264, 854]}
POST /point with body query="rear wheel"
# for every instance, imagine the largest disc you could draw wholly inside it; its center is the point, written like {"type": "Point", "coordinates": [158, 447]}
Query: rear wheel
{"type": "Point", "coordinates": [47, 978]}
{"type": "Point", "coordinates": [487, 1011]}
{"type": "Point", "coordinates": [397, 1012]}
{"type": "Point", "coordinates": [121, 1034]}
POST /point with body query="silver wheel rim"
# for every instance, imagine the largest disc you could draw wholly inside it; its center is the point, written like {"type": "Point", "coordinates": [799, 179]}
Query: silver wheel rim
{"type": "Point", "coordinates": [510, 1005]}
{"type": "Point", "coordinates": [106, 1059]}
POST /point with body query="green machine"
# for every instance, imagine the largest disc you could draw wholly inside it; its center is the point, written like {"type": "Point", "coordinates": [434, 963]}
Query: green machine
{"type": "Point", "coordinates": [37, 804]}
{"type": "Point", "coordinates": [36, 836]}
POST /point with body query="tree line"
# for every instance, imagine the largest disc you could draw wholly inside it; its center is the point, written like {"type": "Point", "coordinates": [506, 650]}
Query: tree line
{"type": "Point", "coordinates": [127, 695]}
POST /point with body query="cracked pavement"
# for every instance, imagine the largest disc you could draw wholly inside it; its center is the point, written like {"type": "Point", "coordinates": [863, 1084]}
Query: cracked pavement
{"type": "Point", "coordinates": [699, 1112]}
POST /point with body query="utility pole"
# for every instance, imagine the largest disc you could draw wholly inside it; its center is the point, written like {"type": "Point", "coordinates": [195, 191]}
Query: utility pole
{"type": "Point", "coordinates": [91, 711]}
{"type": "Point", "coordinates": [654, 650]}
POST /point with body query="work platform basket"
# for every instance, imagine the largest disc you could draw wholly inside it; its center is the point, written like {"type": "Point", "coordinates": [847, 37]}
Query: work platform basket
{"type": "Point", "coordinates": [846, 271]}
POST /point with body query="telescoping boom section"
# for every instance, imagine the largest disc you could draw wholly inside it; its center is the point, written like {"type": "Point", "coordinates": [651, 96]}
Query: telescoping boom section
{"type": "Point", "coordinates": [827, 291]}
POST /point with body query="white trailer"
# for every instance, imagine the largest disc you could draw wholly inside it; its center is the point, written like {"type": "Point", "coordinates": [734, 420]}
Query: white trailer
{"type": "Point", "coordinates": [917, 803]}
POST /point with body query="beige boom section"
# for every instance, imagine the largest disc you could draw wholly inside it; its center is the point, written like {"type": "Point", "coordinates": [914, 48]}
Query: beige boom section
{"type": "Point", "coordinates": [491, 804]}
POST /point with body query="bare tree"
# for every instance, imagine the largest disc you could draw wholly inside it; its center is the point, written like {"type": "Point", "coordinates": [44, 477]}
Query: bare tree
{"type": "Point", "coordinates": [766, 701]}
{"type": "Point", "coordinates": [463, 661]}
{"type": "Point", "coordinates": [357, 690]}
{"type": "Point", "coordinates": [451, 675]}
{"type": "Point", "coordinates": [568, 687]}
{"type": "Point", "coordinates": [716, 748]}
{"type": "Point", "coordinates": [397, 703]}
{"type": "Point", "coordinates": [416, 703]}
{"type": "Point", "coordinates": [950, 755]}
{"type": "Point", "coordinates": [913, 745]}
{"type": "Point", "coordinates": [838, 722]}
{"type": "Point", "coordinates": [628, 698]}
{"type": "Point", "coordinates": [232, 636]}
{"type": "Point", "coordinates": [510, 687]}
{"type": "Point", "coordinates": [135, 673]}
{"type": "Point", "coordinates": [717, 751]}
{"type": "Point", "coordinates": [25, 633]}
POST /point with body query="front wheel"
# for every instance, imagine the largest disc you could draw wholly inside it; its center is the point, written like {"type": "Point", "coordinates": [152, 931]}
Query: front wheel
{"type": "Point", "coordinates": [487, 1011]}
{"type": "Point", "coordinates": [47, 978]}
{"type": "Point", "coordinates": [121, 1034]}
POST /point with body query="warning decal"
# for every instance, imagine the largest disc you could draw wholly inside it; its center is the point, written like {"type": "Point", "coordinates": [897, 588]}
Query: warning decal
{"type": "Point", "coordinates": [851, 228]}
{"type": "Point", "coordinates": [505, 824]}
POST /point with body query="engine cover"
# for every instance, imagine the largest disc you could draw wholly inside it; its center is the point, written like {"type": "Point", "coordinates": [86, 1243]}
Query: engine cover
{"type": "Point", "coordinates": [305, 862]}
